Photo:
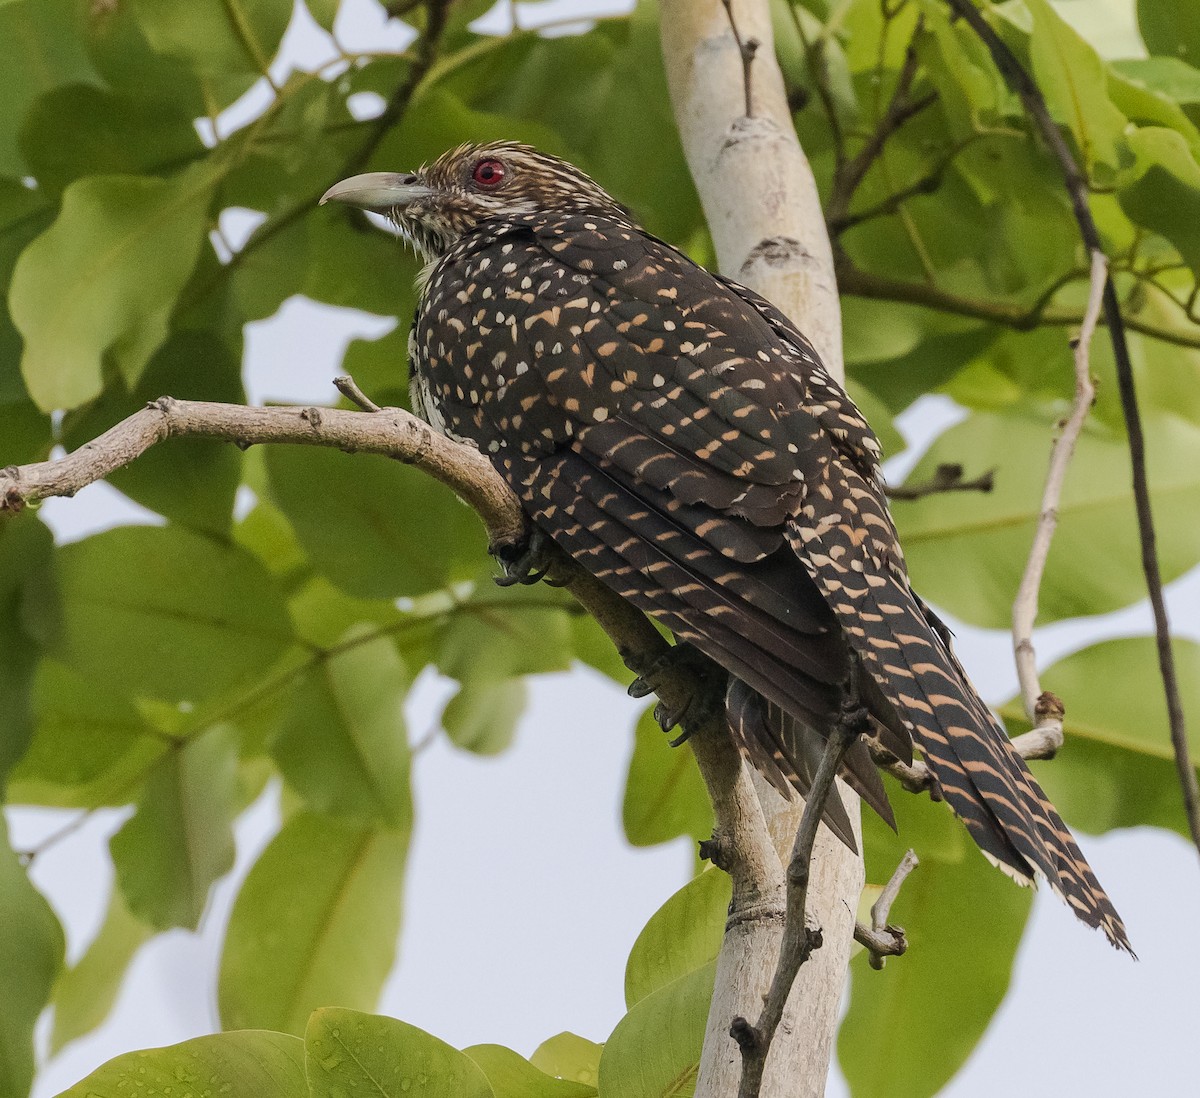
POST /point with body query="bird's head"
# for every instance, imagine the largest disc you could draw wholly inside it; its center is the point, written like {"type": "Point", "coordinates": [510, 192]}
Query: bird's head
{"type": "Point", "coordinates": [438, 204]}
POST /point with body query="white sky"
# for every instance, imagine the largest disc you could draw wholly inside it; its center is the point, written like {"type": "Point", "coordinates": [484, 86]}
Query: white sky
{"type": "Point", "coordinates": [522, 898]}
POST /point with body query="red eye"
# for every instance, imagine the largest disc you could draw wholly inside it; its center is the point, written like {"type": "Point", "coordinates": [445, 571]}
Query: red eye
{"type": "Point", "coordinates": [489, 173]}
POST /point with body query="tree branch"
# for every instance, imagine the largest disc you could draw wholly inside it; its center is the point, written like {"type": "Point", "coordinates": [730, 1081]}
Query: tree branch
{"type": "Point", "coordinates": [393, 432]}
{"type": "Point", "coordinates": [1076, 183]}
{"type": "Point", "coordinates": [799, 939]}
{"type": "Point", "coordinates": [948, 477]}
{"type": "Point", "coordinates": [881, 939]}
{"type": "Point", "coordinates": [1025, 606]}
{"type": "Point", "coordinates": [761, 203]}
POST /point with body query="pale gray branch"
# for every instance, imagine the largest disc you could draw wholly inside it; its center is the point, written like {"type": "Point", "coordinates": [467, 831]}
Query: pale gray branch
{"type": "Point", "coordinates": [1025, 606]}
{"type": "Point", "coordinates": [881, 939]}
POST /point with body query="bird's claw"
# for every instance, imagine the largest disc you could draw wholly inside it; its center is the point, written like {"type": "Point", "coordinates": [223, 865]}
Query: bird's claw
{"type": "Point", "coordinates": [527, 561]}
{"type": "Point", "coordinates": [698, 704]}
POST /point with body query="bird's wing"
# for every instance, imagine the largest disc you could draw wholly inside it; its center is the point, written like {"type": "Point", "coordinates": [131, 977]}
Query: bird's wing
{"type": "Point", "coordinates": [679, 438]}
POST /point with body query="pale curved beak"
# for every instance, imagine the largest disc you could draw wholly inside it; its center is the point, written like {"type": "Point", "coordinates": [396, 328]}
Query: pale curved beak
{"type": "Point", "coordinates": [377, 191]}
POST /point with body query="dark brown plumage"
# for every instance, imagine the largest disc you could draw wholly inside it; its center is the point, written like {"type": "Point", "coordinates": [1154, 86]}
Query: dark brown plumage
{"type": "Point", "coordinates": [677, 436]}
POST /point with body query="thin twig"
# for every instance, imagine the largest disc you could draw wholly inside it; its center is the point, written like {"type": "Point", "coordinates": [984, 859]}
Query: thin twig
{"type": "Point", "coordinates": [348, 387]}
{"type": "Point", "coordinates": [1038, 743]}
{"type": "Point", "coordinates": [1035, 104]}
{"type": "Point", "coordinates": [855, 282]}
{"type": "Point", "coordinates": [900, 109]}
{"type": "Point", "coordinates": [880, 939]}
{"type": "Point", "coordinates": [747, 48]}
{"type": "Point", "coordinates": [947, 477]}
{"type": "Point", "coordinates": [799, 940]}
{"type": "Point", "coordinates": [1025, 606]}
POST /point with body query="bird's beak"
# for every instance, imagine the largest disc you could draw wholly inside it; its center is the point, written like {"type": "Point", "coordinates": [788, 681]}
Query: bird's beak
{"type": "Point", "coordinates": [377, 191]}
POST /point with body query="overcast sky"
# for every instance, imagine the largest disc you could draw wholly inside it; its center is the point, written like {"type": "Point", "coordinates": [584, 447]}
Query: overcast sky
{"type": "Point", "coordinates": [522, 898]}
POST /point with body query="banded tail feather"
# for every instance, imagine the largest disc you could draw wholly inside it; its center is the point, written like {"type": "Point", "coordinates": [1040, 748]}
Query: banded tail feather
{"type": "Point", "coordinates": [981, 776]}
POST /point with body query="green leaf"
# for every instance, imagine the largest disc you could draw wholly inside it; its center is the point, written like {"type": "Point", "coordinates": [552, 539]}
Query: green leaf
{"type": "Point", "coordinates": [228, 46]}
{"type": "Point", "coordinates": [1117, 768]}
{"type": "Point", "coordinates": [683, 935]}
{"type": "Point", "coordinates": [482, 717]}
{"type": "Point", "coordinates": [103, 279]}
{"type": "Point", "coordinates": [251, 1064]}
{"type": "Point", "coordinates": [315, 923]}
{"type": "Point", "coordinates": [342, 745]}
{"type": "Point", "coordinates": [179, 842]}
{"type": "Point", "coordinates": [372, 526]}
{"type": "Point", "coordinates": [569, 1056]}
{"type": "Point", "coordinates": [655, 1050]}
{"type": "Point", "coordinates": [665, 796]}
{"type": "Point", "coordinates": [31, 956]}
{"type": "Point", "coordinates": [1169, 28]}
{"type": "Point", "coordinates": [39, 49]}
{"type": "Point", "coordinates": [91, 746]}
{"type": "Point", "coordinates": [348, 1052]}
{"type": "Point", "coordinates": [970, 89]}
{"type": "Point", "coordinates": [166, 612]}
{"type": "Point", "coordinates": [189, 480]}
{"type": "Point", "coordinates": [85, 993]}
{"type": "Point", "coordinates": [323, 12]}
{"type": "Point", "coordinates": [25, 548]}
{"type": "Point", "coordinates": [79, 129]}
{"type": "Point", "coordinates": [1071, 76]}
{"type": "Point", "coordinates": [1164, 192]}
{"type": "Point", "coordinates": [490, 639]}
{"type": "Point", "coordinates": [512, 1076]}
{"type": "Point", "coordinates": [1172, 78]}
{"type": "Point", "coordinates": [1143, 102]}
{"type": "Point", "coordinates": [911, 1026]}
{"type": "Point", "coordinates": [967, 550]}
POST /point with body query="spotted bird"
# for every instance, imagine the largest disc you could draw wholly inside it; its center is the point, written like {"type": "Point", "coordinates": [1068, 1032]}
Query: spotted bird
{"type": "Point", "coordinates": [678, 437]}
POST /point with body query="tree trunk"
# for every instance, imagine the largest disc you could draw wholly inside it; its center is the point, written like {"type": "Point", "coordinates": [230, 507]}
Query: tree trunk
{"type": "Point", "coordinates": [762, 207]}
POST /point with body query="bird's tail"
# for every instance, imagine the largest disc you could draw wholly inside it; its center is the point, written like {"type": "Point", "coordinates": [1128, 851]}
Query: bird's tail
{"type": "Point", "coordinates": [980, 774]}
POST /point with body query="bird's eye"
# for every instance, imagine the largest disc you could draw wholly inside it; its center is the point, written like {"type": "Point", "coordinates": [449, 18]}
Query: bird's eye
{"type": "Point", "coordinates": [489, 173]}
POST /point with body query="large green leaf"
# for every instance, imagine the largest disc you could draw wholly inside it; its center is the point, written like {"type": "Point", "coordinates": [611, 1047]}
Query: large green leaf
{"type": "Point", "coordinates": [967, 550]}
{"type": "Point", "coordinates": [166, 612]}
{"type": "Point", "coordinates": [103, 278]}
{"type": "Point", "coordinates": [31, 955]}
{"type": "Point", "coordinates": [348, 1052]}
{"type": "Point", "coordinates": [79, 129]}
{"type": "Point", "coordinates": [568, 1056]}
{"type": "Point", "coordinates": [512, 1076]}
{"type": "Point", "coordinates": [655, 1050]}
{"type": "Point", "coordinates": [40, 48]}
{"type": "Point", "coordinates": [179, 842]}
{"type": "Point", "coordinates": [1170, 28]}
{"type": "Point", "coordinates": [1071, 76]}
{"type": "Point", "coordinates": [1117, 768]}
{"type": "Point", "coordinates": [25, 547]}
{"type": "Point", "coordinates": [250, 1064]}
{"type": "Point", "coordinates": [85, 993]}
{"type": "Point", "coordinates": [91, 745]}
{"type": "Point", "coordinates": [342, 745]}
{"type": "Point", "coordinates": [1164, 191]}
{"type": "Point", "coordinates": [482, 717]}
{"type": "Point", "coordinates": [375, 528]}
{"type": "Point", "coordinates": [315, 923]}
{"type": "Point", "coordinates": [665, 796]}
{"type": "Point", "coordinates": [683, 935]}
{"type": "Point", "coordinates": [911, 1026]}
{"type": "Point", "coordinates": [227, 45]}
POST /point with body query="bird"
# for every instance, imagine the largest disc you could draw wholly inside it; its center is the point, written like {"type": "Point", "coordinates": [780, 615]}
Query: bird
{"type": "Point", "coordinates": [678, 437]}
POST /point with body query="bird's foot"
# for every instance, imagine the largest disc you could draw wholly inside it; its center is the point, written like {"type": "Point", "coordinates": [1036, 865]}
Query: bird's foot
{"type": "Point", "coordinates": [701, 702]}
{"type": "Point", "coordinates": [530, 560]}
